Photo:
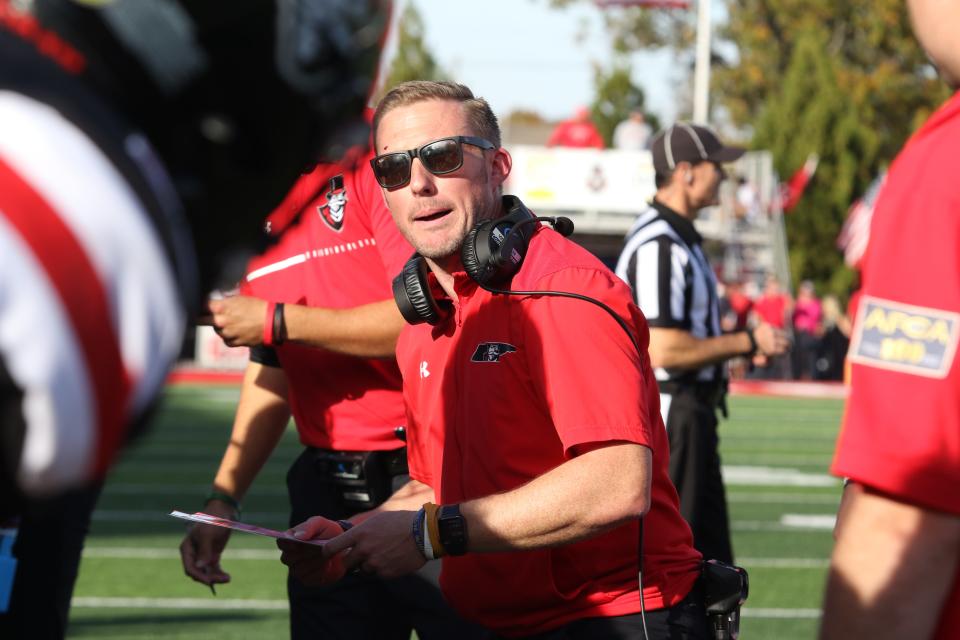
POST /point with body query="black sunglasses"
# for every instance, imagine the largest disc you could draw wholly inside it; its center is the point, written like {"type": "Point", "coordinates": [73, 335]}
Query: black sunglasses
{"type": "Point", "coordinates": [438, 157]}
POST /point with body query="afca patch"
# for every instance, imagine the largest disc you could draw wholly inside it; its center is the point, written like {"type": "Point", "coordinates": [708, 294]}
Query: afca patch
{"type": "Point", "coordinates": [491, 351]}
{"type": "Point", "coordinates": [902, 337]}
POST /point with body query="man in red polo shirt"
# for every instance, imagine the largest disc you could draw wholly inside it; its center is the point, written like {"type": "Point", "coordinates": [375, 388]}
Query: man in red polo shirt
{"type": "Point", "coordinates": [895, 570]}
{"type": "Point", "coordinates": [533, 420]}
{"type": "Point", "coordinates": [329, 275]}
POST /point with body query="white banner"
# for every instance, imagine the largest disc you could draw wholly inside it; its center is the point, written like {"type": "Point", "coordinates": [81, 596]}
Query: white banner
{"type": "Point", "coordinates": [586, 180]}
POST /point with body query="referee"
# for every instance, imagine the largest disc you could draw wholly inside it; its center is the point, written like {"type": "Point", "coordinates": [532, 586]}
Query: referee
{"type": "Point", "coordinates": [674, 286]}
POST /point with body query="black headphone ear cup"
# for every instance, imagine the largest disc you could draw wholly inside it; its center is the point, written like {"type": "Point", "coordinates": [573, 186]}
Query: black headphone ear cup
{"type": "Point", "coordinates": [411, 292]}
{"type": "Point", "coordinates": [472, 263]}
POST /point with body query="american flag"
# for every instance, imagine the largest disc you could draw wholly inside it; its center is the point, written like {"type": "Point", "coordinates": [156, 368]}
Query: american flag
{"type": "Point", "coordinates": [855, 233]}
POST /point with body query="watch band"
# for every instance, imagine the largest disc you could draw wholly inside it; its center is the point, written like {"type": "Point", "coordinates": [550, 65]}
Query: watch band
{"type": "Point", "coordinates": [754, 347]}
{"type": "Point", "coordinates": [453, 530]}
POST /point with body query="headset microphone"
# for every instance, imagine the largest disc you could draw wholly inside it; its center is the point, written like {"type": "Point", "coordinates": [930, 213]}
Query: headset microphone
{"type": "Point", "coordinates": [562, 225]}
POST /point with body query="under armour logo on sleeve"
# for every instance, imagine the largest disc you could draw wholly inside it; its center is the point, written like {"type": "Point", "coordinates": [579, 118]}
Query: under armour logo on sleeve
{"type": "Point", "coordinates": [424, 373]}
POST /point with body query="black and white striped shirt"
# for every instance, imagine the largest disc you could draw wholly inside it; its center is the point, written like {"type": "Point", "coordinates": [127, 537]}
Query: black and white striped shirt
{"type": "Point", "coordinates": [672, 282]}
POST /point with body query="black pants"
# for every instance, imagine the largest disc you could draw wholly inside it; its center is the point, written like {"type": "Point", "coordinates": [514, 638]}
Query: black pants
{"type": "Point", "coordinates": [361, 607]}
{"type": "Point", "coordinates": [686, 620]}
{"type": "Point", "coordinates": [48, 549]}
{"type": "Point", "coordinates": [804, 355]}
{"type": "Point", "coordinates": [695, 471]}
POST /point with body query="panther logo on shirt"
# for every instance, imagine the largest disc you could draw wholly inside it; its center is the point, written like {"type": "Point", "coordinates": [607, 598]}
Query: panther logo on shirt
{"type": "Point", "coordinates": [332, 212]}
{"type": "Point", "coordinates": [491, 351]}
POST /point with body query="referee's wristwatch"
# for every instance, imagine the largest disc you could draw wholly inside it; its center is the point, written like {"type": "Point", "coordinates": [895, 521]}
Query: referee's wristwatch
{"type": "Point", "coordinates": [453, 530]}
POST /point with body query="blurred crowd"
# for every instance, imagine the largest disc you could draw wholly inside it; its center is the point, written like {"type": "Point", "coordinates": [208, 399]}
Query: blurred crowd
{"type": "Point", "coordinates": [819, 328]}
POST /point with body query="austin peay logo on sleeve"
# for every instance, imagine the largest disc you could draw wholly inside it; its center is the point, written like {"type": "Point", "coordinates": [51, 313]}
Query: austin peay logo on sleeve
{"type": "Point", "coordinates": [491, 351]}
{"type": "Point", "coordinates": [332, 212]}
{"type": "Point", "coordinates": [902, 337]}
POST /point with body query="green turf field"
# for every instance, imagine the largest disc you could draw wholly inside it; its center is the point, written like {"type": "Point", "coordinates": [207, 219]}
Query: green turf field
{"type": "Point", "coordinates": [775, 455]}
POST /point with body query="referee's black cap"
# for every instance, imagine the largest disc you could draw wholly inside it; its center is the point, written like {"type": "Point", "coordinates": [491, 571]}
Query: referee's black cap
{"type": "Point", "coordinates": [685, 142]}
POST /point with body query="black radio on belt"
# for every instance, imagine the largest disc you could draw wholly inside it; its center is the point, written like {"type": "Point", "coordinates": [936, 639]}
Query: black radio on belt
{"type": "Point", "coordinates": [364, 478]}
{"type": "Point", "coordinates": [726, 588]}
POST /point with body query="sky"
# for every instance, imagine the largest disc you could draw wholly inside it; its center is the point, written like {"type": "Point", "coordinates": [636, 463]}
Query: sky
{"type": "Point", "coordinates": [522, 54]}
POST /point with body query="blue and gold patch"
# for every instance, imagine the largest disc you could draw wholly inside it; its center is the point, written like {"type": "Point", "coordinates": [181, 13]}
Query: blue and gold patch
{"type": "Point", "coordinates": [902, 337]}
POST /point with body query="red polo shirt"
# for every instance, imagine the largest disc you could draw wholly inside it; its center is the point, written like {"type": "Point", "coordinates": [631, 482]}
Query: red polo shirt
{"type": "Point", "coordinates": [500, 393]}
{"type": "Point", "coordinates": [901, 431]}
{"type": "Point", "coordinates": [341, 251]}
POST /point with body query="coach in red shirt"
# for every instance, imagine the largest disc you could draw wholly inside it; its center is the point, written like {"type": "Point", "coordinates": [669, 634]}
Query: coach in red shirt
{"type": "Point", "coordinates": [533, 420]}
{"type": "Point", "coordinates": [323, 292]}
{"type": "Point", "coordinates": [895, 569]}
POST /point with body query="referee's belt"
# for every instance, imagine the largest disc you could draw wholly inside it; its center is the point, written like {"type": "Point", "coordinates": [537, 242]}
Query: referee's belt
{"type": "Point", "coordinates": [712, 393]}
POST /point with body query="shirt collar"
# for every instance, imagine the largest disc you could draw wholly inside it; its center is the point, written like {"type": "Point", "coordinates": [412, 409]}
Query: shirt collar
{"type": "Point", "coordinates": [463, 284]}
{"type": "Point", "coordinates": [683, 226]}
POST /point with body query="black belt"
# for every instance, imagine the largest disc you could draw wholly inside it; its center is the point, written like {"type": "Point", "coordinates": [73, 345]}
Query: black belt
{"type": "Point", "coordinates": [349, 464]}
{"type": "Point", "coordinates": [365, 478]}
{"type": "Point", "coordinates": [713, 393]}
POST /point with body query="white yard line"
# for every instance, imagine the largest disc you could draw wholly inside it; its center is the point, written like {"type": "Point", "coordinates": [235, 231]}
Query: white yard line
{"type": "Point", "coordinates": [119, 515]}
{"type": "Point", "coordinates": [821, 522]}
{"type": "Point", "coordinates": [134, 488]}
{"type": "Point", "coordinates": [783, 563]}
{"type": "Point", "coordinates": [816, 524]}
{"type": "Point", "coordinates": [775, 477]}
{"type": "Point", "coordinates": [179, 603]}
{"type": "Point", "coordinates": [140, 553]}
{"type": "Point", "coordinates": [749, 612]}
{"type": "Point", "coordinates": [773, 497]}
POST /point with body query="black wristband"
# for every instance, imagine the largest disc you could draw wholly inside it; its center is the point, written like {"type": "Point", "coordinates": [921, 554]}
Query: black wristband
{"type": "Point", "coordinates": [279, 325]}
{"type": "Point", "coordinates": [754, 347]}
{"type": "Point", "coordinates": [227, 498]}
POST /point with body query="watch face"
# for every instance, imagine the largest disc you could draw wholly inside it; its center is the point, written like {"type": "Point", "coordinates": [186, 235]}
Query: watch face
{"type": "Point", "coordinates": [453, 530]}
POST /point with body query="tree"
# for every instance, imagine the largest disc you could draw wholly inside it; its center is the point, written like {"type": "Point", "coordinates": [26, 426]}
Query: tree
{"type": "Point", "coordinates": [413, 60]}
{"type": "Point", "coordinates": [812, 113]}
{"type": "Point", "coordinates": [615, 96]}
{"type": "Point", "coordinates": [845, 79]}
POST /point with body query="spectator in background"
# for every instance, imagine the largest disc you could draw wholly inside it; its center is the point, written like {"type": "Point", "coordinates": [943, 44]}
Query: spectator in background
{"type": "Point", "coordinates": [807, 316]}
{"type": "Point", "coordinates": [772, 307]}
{"type": "Point", "coordinates": [734, 307]}
{"type": "Point", "coordinates": [633, 134]}
{"type": "Point", "coordinates": [740, 306]}
{"type": "Point", "coordinates": [747, 206]}
{"type": "Point", "coordinates": [577, 132]}
{"type": "Point", "coordinates": [831, 349]}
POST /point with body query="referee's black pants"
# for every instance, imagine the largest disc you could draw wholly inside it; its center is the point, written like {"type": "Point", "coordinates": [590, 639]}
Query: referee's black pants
{"type": "Point", "coordinates": [691, 421]}
{"type": "Point", "coordinates": [359, 606]}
